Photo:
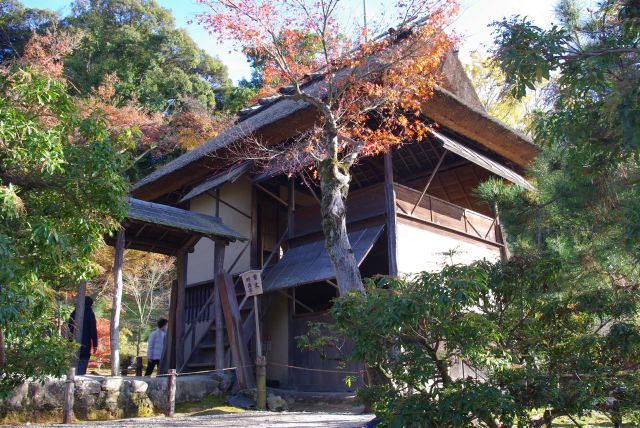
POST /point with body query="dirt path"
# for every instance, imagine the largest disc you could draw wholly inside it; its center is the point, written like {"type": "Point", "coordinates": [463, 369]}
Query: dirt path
{"type": "Point", "coordinates": [240, 420]}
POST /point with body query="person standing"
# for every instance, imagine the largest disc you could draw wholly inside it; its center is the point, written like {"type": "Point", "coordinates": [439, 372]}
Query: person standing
{"type": "Point", "coordinates": [89, 339]}
{"type": "Point", "coordinates": [155, 345]}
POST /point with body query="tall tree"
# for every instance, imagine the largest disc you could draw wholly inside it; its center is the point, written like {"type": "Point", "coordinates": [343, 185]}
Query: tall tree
{"type": "Point", "coordinates": [490, 83]}
{"type": "Point", "coordinates": [61, 190]}
{"type": "Point", "coordinates": [367, 97]}
{"type": "Point", "coordinates": [156, 64]}
{"type": "Point", "coordinates": [587, 177]}
{"type": "Point", "coordinates": [137, 40]}
{"type": "Point", "coordinates": [17, 24]}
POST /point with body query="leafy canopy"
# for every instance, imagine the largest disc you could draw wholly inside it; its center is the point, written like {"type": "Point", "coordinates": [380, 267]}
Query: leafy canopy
{"type": "Point", "coordinates": [156, 64]}
{"type": "Point", "coordinates": [61, 190]}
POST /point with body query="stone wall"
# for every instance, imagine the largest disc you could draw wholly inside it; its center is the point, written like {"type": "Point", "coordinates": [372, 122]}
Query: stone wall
{"type": "Point", "coordinates": [102, 398]}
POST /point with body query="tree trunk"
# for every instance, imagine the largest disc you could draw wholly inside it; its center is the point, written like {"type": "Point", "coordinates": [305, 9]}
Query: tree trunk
{"type": "Point", "coordinates": [114, 331]}
{"type": "Point", "coordinates": [334, 185]}
{"type": "Point", "coordinates": [138, 340]}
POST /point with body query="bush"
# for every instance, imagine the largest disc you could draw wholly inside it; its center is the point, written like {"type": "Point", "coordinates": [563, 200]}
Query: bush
{"type": "Point", "coordinates": [529, 343]}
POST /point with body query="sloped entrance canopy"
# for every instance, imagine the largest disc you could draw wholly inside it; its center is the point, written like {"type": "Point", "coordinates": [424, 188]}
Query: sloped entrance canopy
{"type": "Point", "coordinates": [483, 161]}
{"type": "Point", "coordinates": [159, 228]}
{"type": "Point", "coordinates": [172, 231]}
{"type": "Point", "coordinates": [310, 262]}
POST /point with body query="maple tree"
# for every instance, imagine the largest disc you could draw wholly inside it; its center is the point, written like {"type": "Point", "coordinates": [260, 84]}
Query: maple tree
{"type": "Point", "coordinates": [368, 92]}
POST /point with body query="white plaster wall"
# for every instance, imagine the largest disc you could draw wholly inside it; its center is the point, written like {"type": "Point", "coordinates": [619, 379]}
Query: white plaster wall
{"type": "Point", "coordinates": [238, 194]}
{"type": "Point", "coordinates": [426, 250]}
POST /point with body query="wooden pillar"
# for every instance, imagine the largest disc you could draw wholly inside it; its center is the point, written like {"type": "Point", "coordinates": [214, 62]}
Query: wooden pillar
{"type": "Point", "coordinates": [69, 388]}
{"type": "Point", "coordinates": [79, 317]}
{"type": "Point", "coordinates": [168, 360]}
{"type": "Point", "coordinates": [390, 205]}
{"type": "Point", "coordinates": [171, 393]}
{"type": "Point", "coordinates": [181, 278]}
{"type": "Point", "coordinates": [218, 268]}
{"type": "Point", "coordinates": [116, 303]}
{"type": "Point", "coordinates": [291, 208]}
{"type": "Point", "coordinates": [255, 258]}
{"type": "Point", "coordinates": [235, 332]}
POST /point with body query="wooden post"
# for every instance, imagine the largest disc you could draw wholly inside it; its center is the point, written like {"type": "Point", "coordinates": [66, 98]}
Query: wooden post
{"type": "Point", "coordinates": [69, 388]}
{"type": "Point", "coordinates": [255, 257]}
{"type": "Point", "coordinates": [168, 360]}
{"type": "Point", "coordinates": [261, 382]}
{"type": "Point", "coordinates": [218, 268]}
{"type": "Point", "coordinates": [138, 366]}
{"type": "Point", "coordinates": [114, 331]}
{"type": "Point", "coordinates": [261, 362]}
{"type": "Point", "coordinates": [235, 332]}
{"type": "Point", "coordinates": [78, 321]}
{"type": "Point", "coordinates": [390, 202]}
{"type": "Point", "coordinates": [171, 391]}
{"type": "Point", "coordinates": [291, 208]}
{"type": "Point", "coordinates": [181, 270]}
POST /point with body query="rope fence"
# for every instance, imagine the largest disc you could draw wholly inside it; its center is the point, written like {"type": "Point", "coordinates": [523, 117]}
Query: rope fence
{"type": "Point", "coordinates": [212, 371]}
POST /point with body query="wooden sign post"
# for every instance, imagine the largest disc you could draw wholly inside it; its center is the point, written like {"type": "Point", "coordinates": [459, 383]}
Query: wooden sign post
{"type": "Point", "coordinates": [252, 281]}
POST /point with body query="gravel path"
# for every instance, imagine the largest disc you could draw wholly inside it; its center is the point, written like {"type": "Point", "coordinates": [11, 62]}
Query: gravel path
{"type": "Point", "coordinates": [238, 420]}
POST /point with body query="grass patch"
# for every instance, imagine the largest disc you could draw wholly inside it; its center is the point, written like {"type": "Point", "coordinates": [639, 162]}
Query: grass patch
{"type": "Point", "coordinates": [594, 420]}
{"type": "Point", "coordinates": [23, 416]}
{"type": "Point", "coordinates": [209, 405]}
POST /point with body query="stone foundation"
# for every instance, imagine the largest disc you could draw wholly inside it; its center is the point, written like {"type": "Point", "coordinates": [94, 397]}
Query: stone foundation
{"type": "Point", "coordinates": [103, 398]}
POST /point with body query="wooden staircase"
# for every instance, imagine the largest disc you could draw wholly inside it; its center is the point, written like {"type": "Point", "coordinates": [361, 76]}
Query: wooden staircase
{"type": "Point", "coordinates": [203, 349]}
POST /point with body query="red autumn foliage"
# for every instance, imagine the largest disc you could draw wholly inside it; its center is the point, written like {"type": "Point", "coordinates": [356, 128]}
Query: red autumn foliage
{"type": "Point", "coordinates": [387, 78]}
{"type": "Point", "coordinates": [368, 93]}
{"type": "Point", "coordinates": [104, 344]}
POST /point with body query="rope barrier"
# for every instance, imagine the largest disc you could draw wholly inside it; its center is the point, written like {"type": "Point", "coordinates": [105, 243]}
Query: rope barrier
{"type": "Point", "coordinates": [206, 371]}
{"type": "Point", "coordinates": [314, 370]}
{"type": "Point", "coordinates": [268, 362]}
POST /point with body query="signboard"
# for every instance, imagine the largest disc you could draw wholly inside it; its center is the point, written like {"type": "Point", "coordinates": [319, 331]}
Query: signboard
{"type": "Point", "coordinates": [252, 281]}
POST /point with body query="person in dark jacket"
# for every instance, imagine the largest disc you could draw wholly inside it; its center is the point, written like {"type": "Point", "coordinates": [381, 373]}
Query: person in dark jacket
{"type": "Point", "coordinates": [89, 340]}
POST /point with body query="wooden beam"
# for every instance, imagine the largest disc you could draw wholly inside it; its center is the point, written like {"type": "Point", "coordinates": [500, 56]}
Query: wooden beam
{"type": "Point", "coordinates": [291, 208]}
{"type": "Point", "coordinates": [294, 300]}
{"type": "Point", "coordinates": [390, 204]}
{"type": "Point", "coordinates": [237, 259]}
{"type": "Point", "coordinates": [218, 268]}
{"type": "Point", "coordinates": [235, 332]}
{"type": "Point", "coordinates": [143, 227]}
{"type": "Point", "coordinates": [116, 305]}
{"type": "Point", "coordinates": [431, 177]}
{"type": "Point", "coordinates": [168, 360]}
{"type": "Point", "coordinates": [255, 263]}
{"type": "Point", "coordinates": [181, 277]}
{"type": "Point", "coordinates": [270, 193]}
{"type": "Point", "coordinates": [333, 284]}
{"type": "Point", "coordinates": [464, 192]}
{"type": "Point", "coordinates": [218, 198]}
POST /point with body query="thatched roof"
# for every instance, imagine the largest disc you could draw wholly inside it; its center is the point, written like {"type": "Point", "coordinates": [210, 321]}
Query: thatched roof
{"type": "Point", "coordinates": [455, 105]}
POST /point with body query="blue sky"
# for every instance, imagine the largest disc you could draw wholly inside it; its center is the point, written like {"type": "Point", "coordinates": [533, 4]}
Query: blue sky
{"type": "Point", "coordinates": [471, 24]}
